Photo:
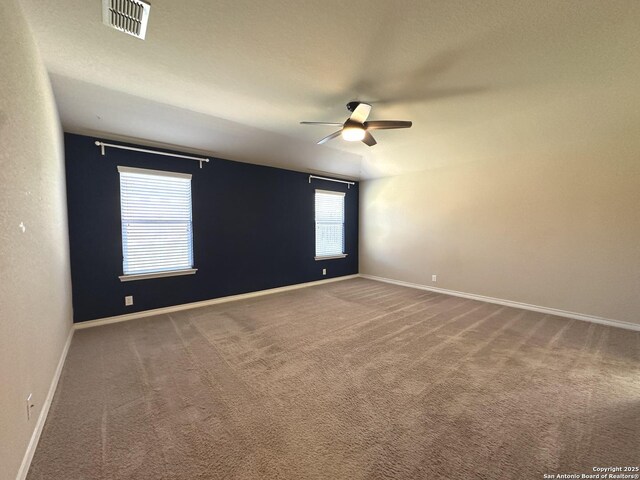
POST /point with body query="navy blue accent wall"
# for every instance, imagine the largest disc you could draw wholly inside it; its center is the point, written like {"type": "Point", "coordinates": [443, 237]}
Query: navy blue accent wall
{"type": "Point", "coordinates": [253, 230]}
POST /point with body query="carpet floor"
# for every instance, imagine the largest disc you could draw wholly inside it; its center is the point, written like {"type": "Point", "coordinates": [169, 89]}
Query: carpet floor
{"type": "Point", "coordinates": [349, 380]}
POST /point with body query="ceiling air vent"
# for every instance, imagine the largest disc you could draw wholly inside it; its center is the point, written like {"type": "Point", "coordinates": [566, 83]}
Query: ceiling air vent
{"type": "Point", "coordinates": [128, 16]}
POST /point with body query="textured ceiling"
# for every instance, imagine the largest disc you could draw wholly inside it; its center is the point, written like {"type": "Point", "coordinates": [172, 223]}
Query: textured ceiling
{"type": "Point", "coordinates": [480, 80]}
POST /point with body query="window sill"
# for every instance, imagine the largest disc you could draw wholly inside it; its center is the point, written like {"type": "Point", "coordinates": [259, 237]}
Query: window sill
{"type": "Point", "coordinates": [143, 276]}
{"type": "Point", "coordinates": [331, 257]}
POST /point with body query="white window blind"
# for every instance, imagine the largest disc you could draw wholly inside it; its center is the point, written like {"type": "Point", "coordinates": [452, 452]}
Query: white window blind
{"type": "Point", "coordinates": [157, 234]}
{"type": "Point", "coordinates": [329, 224]}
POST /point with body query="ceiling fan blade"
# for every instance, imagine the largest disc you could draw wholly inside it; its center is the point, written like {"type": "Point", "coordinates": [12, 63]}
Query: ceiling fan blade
{"type": "Point", "coordinates": [368, 139]}
{"type": "Point", "coordinates": [321, 123]}
{"type": "Point", "coordinates": [361, 113]}
{"type": "Point", "coordinates": [387, 124]}
{"type": "Point", "coordinates": [330, 137]}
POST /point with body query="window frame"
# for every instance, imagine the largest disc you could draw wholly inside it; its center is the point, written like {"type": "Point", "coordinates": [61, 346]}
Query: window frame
{"type": "Point", "coordinates": [344, 225]}
{"type": "Point", "coordinates": [157, 274]}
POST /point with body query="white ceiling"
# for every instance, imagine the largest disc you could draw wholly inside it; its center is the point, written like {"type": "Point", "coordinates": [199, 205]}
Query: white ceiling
{"type": "Point", "coordinates": [480, 80]}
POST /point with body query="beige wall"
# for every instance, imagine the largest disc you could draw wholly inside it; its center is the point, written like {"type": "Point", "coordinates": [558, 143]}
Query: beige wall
{"type": "Point", "coordinates": [35, 293]}
{"type": "Point", "coordinates": [556, 232]}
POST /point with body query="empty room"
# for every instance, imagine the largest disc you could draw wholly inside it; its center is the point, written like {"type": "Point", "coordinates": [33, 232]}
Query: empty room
{"type": "Point", "coordinates": [319, 240]}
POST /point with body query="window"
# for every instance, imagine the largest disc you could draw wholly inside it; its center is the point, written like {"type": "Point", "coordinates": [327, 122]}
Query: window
{"type": "Point", "coordinates": [329, 225]}
{"type": "Point", "coordinates": [157, 234]}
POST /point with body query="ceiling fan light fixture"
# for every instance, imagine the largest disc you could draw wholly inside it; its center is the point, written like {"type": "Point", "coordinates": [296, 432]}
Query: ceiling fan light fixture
{"type": "Point", "coordinates": [353, 134]}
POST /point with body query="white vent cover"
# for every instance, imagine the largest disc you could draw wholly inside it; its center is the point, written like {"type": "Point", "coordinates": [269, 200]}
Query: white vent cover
{"type": "Point", "coordinates": [128, 16]}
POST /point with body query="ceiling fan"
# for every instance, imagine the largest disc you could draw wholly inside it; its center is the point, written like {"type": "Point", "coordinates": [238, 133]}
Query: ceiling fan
{"type": "Point", "coordinates": [356, 128]}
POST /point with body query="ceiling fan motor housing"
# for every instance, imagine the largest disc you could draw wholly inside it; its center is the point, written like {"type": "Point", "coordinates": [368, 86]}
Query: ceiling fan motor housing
{"type": "Point", "coordinates": [351, 106]}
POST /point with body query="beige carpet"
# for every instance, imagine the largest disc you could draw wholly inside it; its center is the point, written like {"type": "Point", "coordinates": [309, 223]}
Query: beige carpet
{"type": "Point", "coordinates": [350, 380]}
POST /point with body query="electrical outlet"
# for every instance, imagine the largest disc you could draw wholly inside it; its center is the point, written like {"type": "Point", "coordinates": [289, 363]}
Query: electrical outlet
{"type": "Point", "coordinates": [434, 278]}
{"type": "Point", "coordinates": [324, 271]}
{"type": "Point", "coordinates": [30, 405]}
{"type": "Point", "coordinates": [128, 300]}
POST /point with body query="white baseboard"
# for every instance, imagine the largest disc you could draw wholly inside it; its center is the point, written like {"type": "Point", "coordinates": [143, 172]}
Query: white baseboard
{"type": "Point", "coordinates": [509, 303]}
{"type": "Point", "coordinates": [35, 436]}
{"type": "Point", "coordinates": [205, 303]}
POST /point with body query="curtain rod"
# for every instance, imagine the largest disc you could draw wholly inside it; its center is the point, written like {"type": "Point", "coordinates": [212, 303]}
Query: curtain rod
{"type": "Point", "coordinates": [331, 180]}
{"type": "Point", "coordinates": [155, 152]}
